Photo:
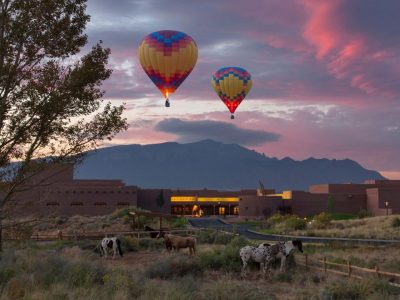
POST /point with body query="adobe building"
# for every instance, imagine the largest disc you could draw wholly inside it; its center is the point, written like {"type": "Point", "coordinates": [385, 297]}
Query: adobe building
{"type": "Point", "coordinates": [380, 197]}
{"type": "Point", "coordinates": [54, 191]}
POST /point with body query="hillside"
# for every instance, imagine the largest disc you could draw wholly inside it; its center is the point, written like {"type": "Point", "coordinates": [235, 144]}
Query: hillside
{"type": "Point", "coordinates": [214, 165]}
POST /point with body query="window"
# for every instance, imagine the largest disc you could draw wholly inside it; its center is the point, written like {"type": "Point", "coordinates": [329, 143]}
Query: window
{"type": "Point", "coordinates": [236, 210]}
{"type": "Point", "coordinates": [52, 204]}
{"type": "Point", "coordinates": [100, 204]}
{"type": "Point", "coordinates": [76, 203]}
{"type": "Point", "coordinates": [221, 210]}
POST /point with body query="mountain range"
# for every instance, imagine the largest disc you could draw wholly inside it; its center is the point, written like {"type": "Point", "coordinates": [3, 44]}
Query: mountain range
{"type": "Point", "coordinates": [214, 165]}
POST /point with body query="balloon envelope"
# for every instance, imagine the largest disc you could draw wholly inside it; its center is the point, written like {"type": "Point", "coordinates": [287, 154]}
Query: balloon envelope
{"type": "Point", "coordinates": [168, 57]}
{"type": "Point", "coordinates": [232, 85]}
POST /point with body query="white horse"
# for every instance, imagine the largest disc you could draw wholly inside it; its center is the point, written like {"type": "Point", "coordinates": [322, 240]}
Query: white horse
{"type": "Point", "coordinates": [110, 244]}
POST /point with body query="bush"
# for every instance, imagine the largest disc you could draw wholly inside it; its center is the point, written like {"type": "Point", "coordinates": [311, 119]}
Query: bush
{"type": "Point", "coordinates": [227, 259]}
{"type": "Point", "coordinates": [364, 214]}
{"type": "Point", "coordinates": [321, 221]}
{"type": "Point", "coordinates": [276, 219]}
{"type": "Point", "coordinates": [215, 237]}
{"type": "Point", "coordinates": [179, 223]}
{"type": "Point", "coordinates": [129, 244]}
{"type": "Point", "coordinates": [344, 289]}
{"type": "Point", "coordinates": [174, 266]}
{"type": "Point", "coordinates": [224, 289]}
{"type": "Point", "coordinates": [291, 223]}
{"type": "Point", "coordinates": [396, 222]}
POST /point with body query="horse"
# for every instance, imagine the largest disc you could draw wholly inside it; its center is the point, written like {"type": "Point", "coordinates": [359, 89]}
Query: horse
{"type": "Point", "coordinates": [108, 244]}
{"type": "Point", "coordinates": [153, 233]}
{"type": "Point", "coordinates": [265, 254]}
{"type": "Point", "coordinates": [178, 242]}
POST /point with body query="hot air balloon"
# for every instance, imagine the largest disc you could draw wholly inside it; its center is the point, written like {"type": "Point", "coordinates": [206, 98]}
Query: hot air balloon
{"type": "Point", "coordinates": [232, 85]}
{"type": "Point", "coordinates": [168, 57]}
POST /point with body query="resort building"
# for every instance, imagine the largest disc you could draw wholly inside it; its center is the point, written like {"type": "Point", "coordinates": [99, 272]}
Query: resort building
{"type": "Point", "coordinates": [55, 191]}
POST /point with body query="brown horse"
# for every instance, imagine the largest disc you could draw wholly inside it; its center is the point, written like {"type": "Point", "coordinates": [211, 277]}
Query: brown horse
{"type": "Point", "coordinates": [178, 242]}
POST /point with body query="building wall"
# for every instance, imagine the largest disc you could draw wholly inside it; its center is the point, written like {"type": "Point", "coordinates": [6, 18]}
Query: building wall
{"type": "Point", "coordinates": [147, 199]}
{"type": "Point", "coordinates": [340, 188]}
{"type": "Point", "coordinates": [377, 198]}
{"type": "Point", "coordinates": [306, 204]}
{"type": "Point", "coordinates": [258, 206]}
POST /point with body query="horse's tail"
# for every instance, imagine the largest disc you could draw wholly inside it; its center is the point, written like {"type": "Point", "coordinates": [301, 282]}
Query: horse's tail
{"type": "Point", "coordinates": [100, 247]}
{"type": "Point", "coordinates": [119, 247]}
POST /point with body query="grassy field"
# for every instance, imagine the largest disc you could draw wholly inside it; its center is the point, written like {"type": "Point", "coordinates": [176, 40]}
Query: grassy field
{"type": "Point", "coordinates": [334, 225]}
{"type": "Point", "coordinates": [72, 270]}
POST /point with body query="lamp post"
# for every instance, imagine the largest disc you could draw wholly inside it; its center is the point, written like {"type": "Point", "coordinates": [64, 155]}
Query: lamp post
{"type": "Point", "coordinates": [219, 207]}
{"type": "Point", "coordinates": [387, 207]}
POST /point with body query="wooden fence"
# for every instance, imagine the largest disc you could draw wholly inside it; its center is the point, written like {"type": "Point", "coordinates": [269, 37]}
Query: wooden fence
{"type": "Point", "coordinates": [97, 235]}
{"type": "Point", "coordinates": [348, 269]}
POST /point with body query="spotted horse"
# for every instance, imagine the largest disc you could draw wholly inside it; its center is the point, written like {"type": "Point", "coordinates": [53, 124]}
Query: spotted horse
{"type": "Point", "coordinates": [265, 254]}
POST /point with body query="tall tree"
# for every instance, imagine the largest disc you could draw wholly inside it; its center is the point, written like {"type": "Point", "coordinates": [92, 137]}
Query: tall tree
{"type": "Point", "coordinates": [160, 199]}
{"type": "Point", "coordinates": [50, 95]}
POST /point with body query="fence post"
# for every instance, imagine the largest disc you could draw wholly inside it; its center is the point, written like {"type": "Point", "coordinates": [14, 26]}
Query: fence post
{"type": "Point", "coordinates": [377, 271]}
{"type": "Point", "coordinates": [348, 268]}
{"type": "Point", "coordinates": [306, 256]}
{"type": "Point", "coordinates": [325, 266]}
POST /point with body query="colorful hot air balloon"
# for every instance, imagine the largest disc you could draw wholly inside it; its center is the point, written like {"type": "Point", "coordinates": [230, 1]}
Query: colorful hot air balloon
{"type": "Point", "coordinates": [168, 57]}
{"type": "Point", "coordinates": [232, 85]}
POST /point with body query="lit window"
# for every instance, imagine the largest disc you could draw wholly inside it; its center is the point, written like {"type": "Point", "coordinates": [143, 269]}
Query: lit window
{"type": "Point", "coordinates": [236, 210]}
{"type": "Point", "coordinates": [221, 210]}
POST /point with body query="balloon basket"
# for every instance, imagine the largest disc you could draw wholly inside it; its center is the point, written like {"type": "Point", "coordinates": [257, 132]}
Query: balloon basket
{"type": "Point", "coordinates": [167, 103]}
{"type": "Point", "coordinates": [232, 117]}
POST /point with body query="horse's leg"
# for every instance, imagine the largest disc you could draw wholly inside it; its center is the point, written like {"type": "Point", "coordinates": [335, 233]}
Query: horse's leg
{"type": "Point", "coordinates": [267, 267]}
{"type": "Point", "coordinates": [243, 273]}
{"type": "Point", "coordinates": [283, 261]}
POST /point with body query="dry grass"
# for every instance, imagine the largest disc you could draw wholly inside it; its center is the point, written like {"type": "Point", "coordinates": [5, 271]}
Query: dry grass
{"type": "Point", "coordinates": [68, 272]}
{"type": "Point", "coordinates": [372, 228]}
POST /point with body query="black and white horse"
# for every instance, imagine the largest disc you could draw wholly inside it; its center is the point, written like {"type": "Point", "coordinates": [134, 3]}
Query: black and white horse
{"type": "Point", "coordinates": [153, 233]}
{"type": "Point", "coordinates": [110, 244]}
{"type": "Point", "coordinates": [265, 254]}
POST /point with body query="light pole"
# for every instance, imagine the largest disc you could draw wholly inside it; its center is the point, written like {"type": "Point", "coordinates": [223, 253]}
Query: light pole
{"type": "Point", "coordinates": [387, 207]}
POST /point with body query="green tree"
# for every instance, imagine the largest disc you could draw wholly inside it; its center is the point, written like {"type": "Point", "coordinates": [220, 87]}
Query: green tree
{"type": "Point", "coordinates": [50, 95]}
{"type": "Point", "coordinates": [331, 204]}
{"type": "Point", "coordinates": [160, 199]}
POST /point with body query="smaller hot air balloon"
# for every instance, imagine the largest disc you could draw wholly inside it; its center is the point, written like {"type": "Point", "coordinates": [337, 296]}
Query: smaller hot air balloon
{"type": "Point", "coordinates": [232, 84]}
{"type": "Point", "coordinates": [168, 57]}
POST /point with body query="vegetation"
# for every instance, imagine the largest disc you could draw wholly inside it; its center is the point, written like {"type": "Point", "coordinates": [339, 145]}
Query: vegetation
{"type": "Point", "coordinates": [50, 100]}
{"type": "Point", "coordinates": [62, 270]}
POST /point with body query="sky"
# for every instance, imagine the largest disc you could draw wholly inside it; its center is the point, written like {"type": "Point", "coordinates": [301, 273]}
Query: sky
{"type": "Point", "coordinates": [325, 75]}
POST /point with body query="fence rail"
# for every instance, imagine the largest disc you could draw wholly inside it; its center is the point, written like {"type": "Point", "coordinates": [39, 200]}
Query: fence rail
{"type": "Point", "coordinates": [101, 234]}
{"type": "Point", "coordinates": [347, 269]}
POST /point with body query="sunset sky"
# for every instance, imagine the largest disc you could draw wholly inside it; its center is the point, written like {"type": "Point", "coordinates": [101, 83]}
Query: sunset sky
{"type": "Point", "coordinates": [325, 75]}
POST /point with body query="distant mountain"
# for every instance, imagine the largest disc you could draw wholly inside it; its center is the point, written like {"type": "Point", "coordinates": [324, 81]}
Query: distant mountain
{"type": "Point", "coordinates": [214, 165]}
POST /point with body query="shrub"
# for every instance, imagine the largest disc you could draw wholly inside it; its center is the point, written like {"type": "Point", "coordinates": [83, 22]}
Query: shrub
{"type": "Point", "coordinates": [291, 223]}
{"type": "Point", "coordinates": [129, 243]}
{"type": "Point", "coordinates": [276, 219]}
{"type": "Point", "coordinates": [364, 214]}
{"type": "Point", "coordinates": [174, 266]}
{"type": "Point", "coordinates": [348, 289]}
{"type": "Point", "coordinates": [214, 237]}
{"type": "Point", "coordinates": [227, 259]}
{"type": "Point", "coordinates": [228, 289]}
{"type": "Point", "coordinates": [396, 222]}
{"type": "Point", "coordinates": [321, 221]}
{"type": "Point", "coordinates": [179, 223]}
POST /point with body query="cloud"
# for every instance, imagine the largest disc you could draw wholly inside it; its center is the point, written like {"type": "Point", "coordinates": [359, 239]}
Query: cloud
{"type": "Point", "coordinates": [191, 131]}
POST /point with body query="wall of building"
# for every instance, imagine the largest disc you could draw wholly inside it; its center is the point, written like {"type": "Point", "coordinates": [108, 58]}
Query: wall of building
{"type": "Point", "coordinates": [147, 199]}
{"type": "Point", "coordinates": [340, 188]}
{"type": "Point", "coordinates": [258, 206]}
{"type": "Point", "coordinates": [306, 204]}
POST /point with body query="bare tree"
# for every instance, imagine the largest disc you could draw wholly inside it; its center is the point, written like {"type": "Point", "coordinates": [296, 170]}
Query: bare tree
{"type": "Point", "coordinates": [50, 96]}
